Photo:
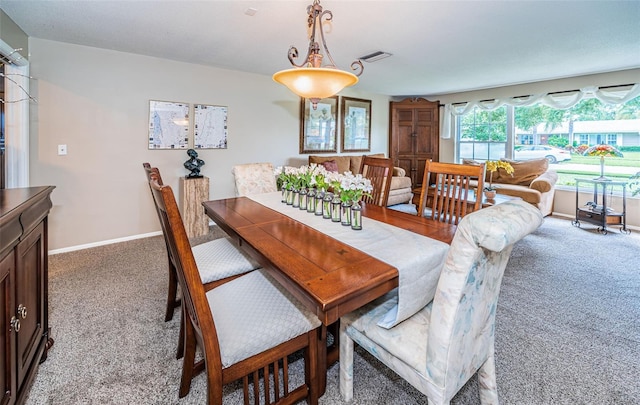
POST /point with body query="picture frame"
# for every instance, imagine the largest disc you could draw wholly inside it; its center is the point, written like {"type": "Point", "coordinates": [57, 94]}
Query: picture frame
{"type": "Point", "coordinates": [318, 126]}
{"type": "Point", "coordinates": [210, 126]}
{"type": "Point", "coordinates": [168, 124]}
{"type": "Point", "coordinates": [355, 128]}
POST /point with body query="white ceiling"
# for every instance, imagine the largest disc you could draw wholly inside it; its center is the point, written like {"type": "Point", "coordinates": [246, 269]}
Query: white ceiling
{"type": "Point", "coordinates": [438, 46]}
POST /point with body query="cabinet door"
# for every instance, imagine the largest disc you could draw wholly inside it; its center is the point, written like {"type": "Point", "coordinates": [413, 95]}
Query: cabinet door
{"type": "Point", "coordinates": [404, 133]}
{"type": "Point", "coordinates": [29, 287]}
{"type": "Point", "coordinates": [7, 341]}
{"type": "Point", "coordinates": [427, 131]}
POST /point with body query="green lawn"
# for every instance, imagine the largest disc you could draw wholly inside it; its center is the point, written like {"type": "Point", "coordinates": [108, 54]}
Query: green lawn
{"type": "Point", "coordinates": [567, 176]}
{"type": "Point", "coordinates": [631, 159]}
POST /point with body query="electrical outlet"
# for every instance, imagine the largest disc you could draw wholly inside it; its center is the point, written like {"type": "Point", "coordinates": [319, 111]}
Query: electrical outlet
{"type": "Point", "coordinates": [62, 150]}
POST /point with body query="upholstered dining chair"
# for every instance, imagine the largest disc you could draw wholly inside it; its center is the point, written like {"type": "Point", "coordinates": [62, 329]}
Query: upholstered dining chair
{"type": "Point", "coordinates": [254, 178]}
{"type": "Point", "coordinates": [379, 171]}
{"type": "Point", "coordinates": [247, 325]}
{"type": "Point", "coordinates": [440, 347]}
{"type": "Point", "coordinates": [218, 261]}
{"type": "Point", "coordinates": [448, 190]}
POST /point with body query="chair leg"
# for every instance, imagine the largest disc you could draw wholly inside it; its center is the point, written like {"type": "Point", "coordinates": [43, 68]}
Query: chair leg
{"type": "Point", "coordinates": [487, 381]}
{"type": "Point", "coordinates": [172, 302]}
{"type": "Point", "coordinates": [311, 369]}
{"type": "Point", "coordinates": [346, 364]}
{"type": "Point", "coordinates": [188, 363]}
{"type": "Point", "coordinates": [180, 349]}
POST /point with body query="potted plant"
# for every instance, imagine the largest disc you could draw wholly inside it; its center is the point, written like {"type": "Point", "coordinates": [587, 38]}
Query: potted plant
{"type": "Point", "coordinates": [492, 166]}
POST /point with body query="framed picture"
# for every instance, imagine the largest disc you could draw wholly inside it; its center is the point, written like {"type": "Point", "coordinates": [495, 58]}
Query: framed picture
{"type": "Point", "coordinates": [318, 126]}
{"type": "Point", "coordinates": [168, 125]}
{"type": "Point", "coordinates": [355, 130]}
{"type": "Point", "coordinates": [210, 127]}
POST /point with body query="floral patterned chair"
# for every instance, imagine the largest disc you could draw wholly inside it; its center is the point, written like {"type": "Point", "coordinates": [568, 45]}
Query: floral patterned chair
{"type": "Point", "coordinates": [254, 178]}
{"type": "Point", "coordinates": [440, 347]}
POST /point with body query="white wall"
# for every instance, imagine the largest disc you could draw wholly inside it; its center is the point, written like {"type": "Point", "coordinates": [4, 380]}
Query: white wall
{"type": "Point", "coordinates": [97, 103]}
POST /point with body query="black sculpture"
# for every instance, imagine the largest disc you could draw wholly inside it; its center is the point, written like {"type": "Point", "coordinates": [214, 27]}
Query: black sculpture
{"type": "Point", "coordinates": [193, 164]}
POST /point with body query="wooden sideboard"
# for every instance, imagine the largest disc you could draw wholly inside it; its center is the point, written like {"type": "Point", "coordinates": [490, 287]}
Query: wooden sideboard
{"type": "Point", "coordinates": [25, 336]}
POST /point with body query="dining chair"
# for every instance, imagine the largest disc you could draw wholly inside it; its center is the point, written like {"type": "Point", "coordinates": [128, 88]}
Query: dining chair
{"type": "Point", "coordinates": [254, 178]}
{"type": "Point", "coordinates": [379, 171]}
{"type": "Point", "coordinates": [243, 327]}
{"type": "Point", "coordinates": [218, 261]}
{"type": "Point", "coordinates": [450, 191]}
{"type": "Point", "coordinates": [444, 344]}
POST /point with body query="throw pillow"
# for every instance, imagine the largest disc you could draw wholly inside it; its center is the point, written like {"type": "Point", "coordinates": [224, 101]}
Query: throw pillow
{"type": "Point", "coordinates": [524, 171]}
{"type": "Point", "coordinates": [330, 165]}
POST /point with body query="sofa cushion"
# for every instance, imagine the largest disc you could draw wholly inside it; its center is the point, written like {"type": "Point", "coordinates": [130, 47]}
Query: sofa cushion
{"type": "Point", "coordinates": [400, 182]}
{"type": "Point", "coordinates": [343, 162]}
{"type": "Point", "coordinates": [524, 171]}
{"type": "Point", "coordinates": [544, 182]}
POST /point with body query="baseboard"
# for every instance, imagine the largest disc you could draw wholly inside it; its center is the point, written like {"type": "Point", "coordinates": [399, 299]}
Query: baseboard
{"type": "Point", "coordinates": [109, 242]}
{"type": "Point", "coordinates": [104, 242]}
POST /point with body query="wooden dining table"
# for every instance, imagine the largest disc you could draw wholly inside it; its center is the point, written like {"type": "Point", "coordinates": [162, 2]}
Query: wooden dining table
{"type": "Point", "coordinates": [328, 276]}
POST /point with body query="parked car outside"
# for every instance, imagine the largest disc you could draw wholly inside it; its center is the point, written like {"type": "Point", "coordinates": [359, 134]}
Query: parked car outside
{"type": "Point", "coordinates": [528, 152]}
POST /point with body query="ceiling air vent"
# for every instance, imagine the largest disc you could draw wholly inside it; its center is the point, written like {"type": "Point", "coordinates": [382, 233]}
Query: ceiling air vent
{"type": "Point", "coordinates": [372, 57]}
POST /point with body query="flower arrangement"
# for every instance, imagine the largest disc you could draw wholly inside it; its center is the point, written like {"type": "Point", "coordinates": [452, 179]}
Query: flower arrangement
{"type": "Point", "coordinates": [492, 166]}
{"type": "Point", "coordinates": [300, 177]}
{"type": "Point", "coordinates": [352, 187]}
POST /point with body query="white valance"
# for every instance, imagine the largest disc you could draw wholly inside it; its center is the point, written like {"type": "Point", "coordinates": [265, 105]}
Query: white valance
{"type": "Point", "coordinates": [560, 101]}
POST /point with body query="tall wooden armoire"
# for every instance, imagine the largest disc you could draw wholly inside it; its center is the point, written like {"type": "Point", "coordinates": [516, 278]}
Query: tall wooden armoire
{"type": "Point", "coordinates": [414, 135]}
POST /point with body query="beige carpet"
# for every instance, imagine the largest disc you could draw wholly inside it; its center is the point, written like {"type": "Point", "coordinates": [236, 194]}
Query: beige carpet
{"type": "Point", "coordinates": [567, 332]}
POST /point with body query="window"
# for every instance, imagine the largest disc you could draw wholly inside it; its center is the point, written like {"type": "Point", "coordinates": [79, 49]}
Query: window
{"type": "Point", "coordinates": [560, 135]}
{"type": "Point", "coordinates": [483, 134]}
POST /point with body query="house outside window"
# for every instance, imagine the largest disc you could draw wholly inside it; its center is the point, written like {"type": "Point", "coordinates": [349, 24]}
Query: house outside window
{"type": "Point", "coordinates": [501, 133]}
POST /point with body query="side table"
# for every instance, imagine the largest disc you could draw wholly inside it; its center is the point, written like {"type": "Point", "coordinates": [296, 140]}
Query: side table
{"type": "Point", "coordinates": [193, 192]}
{"type": "Point", "coordinates": [597, 211]}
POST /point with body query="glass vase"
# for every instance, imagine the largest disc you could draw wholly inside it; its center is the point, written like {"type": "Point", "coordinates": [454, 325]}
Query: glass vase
{"type": "Point", "coordinates": [336, 208]}
{"type": "Point", "coordinates": [303, 198]}
{"type": "Point", "coordinates": [284, 190]}
{"type": "Point", "coordinates": [311, 200]}
{"type": "Point", "coordinates": [326, 205]}
{"type": "Point", "coordinates": [356, 216]}
{"type": "Point", "coordinates": [296, 198]}
{"type": "Point", "coordinates": [290, 195]}
{"type": "Point", "coordinates": [345, 212]}
{"type": "Point", "coordinates": [319, 198]}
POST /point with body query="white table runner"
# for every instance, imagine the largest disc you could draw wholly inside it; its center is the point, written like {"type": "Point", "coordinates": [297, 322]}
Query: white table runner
{"type": "Point", "coordinates": [419, 259]}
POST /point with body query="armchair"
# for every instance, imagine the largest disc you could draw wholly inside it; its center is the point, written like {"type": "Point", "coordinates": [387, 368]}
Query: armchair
{"type": "Point", "coordinates": [440, 347]}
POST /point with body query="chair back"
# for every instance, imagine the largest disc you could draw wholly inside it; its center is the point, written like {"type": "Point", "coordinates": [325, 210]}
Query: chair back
{"type": "Point", "coordinates": [448, 192]}
{"type": "Point", "coordinates": [150, 171]}
{"type": "Point", "coordinates": [461, 334]}
{"type": "Point", "coordinates": [379, 171]}
{"type": "Point", "coordinates": [254, 178]}
{"type": "Point", "coordinates": [193, 293]}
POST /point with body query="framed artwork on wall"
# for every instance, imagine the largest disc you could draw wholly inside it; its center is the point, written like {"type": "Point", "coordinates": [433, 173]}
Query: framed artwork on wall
{"type": "Point", "coordinates": [355, 130]}
{"type": "Point", "coordinates": [318, 126]}
{"type": "Point", "coordinates": [210, 126]}
{"type": "Point", "coordinates": [168, 125]}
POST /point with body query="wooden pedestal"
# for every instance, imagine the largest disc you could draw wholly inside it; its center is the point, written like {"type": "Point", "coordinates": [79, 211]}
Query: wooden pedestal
{"type": "Point", "coordinates": [193, 191]}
